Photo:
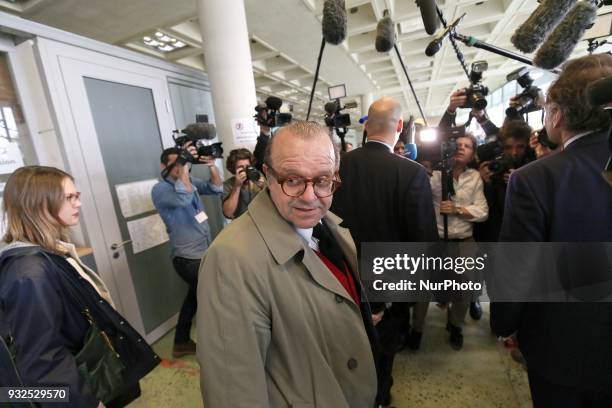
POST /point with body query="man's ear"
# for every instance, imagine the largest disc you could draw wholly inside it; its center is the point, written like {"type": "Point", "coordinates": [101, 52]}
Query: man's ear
{"type": "Point", "coordinates": [557, 119]}
{"type": "Point", "coordinates": [265, 169]}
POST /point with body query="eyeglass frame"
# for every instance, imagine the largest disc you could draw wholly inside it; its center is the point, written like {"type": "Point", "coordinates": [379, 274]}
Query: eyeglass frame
{"type": "Point", "coordinates": [336, 182]}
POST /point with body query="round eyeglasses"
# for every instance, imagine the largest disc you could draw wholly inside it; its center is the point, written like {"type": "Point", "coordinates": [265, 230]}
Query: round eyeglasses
{"type": "Point", "coordinates": [296, 186]}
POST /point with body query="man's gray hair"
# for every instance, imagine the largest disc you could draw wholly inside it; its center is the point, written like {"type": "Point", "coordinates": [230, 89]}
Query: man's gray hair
{"type": "Point", "coordinates": [306, 130]}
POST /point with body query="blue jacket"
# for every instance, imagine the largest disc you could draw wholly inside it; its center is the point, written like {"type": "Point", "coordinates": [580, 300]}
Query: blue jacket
{"type": "Point", "coordinates": [178, 208]}
{"type": "Point", "coordinates": [46, 328]}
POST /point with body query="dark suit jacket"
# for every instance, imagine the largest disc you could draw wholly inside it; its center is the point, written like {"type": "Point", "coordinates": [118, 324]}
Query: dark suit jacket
{"type": "Point", "coordinates": [384, 197]}
{"type": "Point", "coordinates": [561, 198]}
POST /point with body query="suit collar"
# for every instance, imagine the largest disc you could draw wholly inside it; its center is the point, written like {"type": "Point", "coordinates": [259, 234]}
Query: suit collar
{"type": "Point", "coordinates": [376, 145]}
{"type": "Point", "coordinates": [284, 242]}
{"type": "Point", "coordinates": [586, 139]}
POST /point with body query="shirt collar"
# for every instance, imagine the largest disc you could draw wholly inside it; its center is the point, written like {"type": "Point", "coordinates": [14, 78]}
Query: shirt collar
{"type": "Point", "coordinates": [574, 138]}
{"type": "Point", "coordinates": [306, 234]}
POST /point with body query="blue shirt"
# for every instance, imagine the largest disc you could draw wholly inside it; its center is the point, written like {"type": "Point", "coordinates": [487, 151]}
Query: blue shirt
{"type": "Point", "coordinates": [178, 208]}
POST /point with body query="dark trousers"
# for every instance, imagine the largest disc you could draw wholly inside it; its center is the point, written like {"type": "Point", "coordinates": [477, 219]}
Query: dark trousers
{"type": "Point", "coordinates": [391, 330]}
{"type": "Point", "coordinates": [548, 395]}
{"type": "Point", "coordinates": [187, 269]}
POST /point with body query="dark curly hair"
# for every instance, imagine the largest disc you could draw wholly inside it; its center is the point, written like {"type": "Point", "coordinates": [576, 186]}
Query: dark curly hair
{"type": "Point", "coordinates": [235, 155]}
{"type": "Point", "coordinates": [516, 129]}
{"type": "Point", "coordinates": [568, 92]}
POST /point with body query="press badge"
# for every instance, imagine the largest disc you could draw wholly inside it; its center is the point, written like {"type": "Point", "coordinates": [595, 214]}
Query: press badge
{"type": "Point", "coordinates": [201, 217]}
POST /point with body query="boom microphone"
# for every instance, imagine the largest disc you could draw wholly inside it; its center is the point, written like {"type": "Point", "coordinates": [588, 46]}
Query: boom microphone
{"type": "Point", "coordinates": [436, 44]}
{"type": "Point", "coordinates": [198, 131]}
{"type": "Point", "coordinates": [600, 91]}
{"type": "Point", "coordinates": [562, 41]}
{"type": "Point", "coordinates": [334, 32]}
{"type": "Point", "coordinates": [429, 15]}
{"type": "Point", "coordinates": [385, 34]}
{"type": "Point", "coordinates": [544, 19]}
{"type": "Point", "coordinates": [334, 21]}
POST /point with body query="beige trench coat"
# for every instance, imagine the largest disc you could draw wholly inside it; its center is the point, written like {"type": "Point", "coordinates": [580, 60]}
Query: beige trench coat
{"type": "Point", "coordinates": [275, 327]}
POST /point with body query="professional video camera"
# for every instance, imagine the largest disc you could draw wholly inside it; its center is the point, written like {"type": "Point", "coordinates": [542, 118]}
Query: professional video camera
{"type": "Point", "coordinates": [197, 135]}
{"type": "Point", "coordinates": [440, 147]}
{"type": "Point", "coordinates": [334, 116]}
{"type": "Point", "coordinates": [476, 93]}
{"type": "Point", "coordinates": [526, 100]}
{"type": "Point", "coordinates": [268, 113]}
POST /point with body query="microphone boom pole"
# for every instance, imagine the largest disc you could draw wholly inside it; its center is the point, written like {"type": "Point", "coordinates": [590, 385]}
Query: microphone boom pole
{"type": "Point", "coordinates": [316, 78]}
{"type": "Point", "coordinates": [473, 42]}
{"type": "Point", "coordinates": [399, 57]}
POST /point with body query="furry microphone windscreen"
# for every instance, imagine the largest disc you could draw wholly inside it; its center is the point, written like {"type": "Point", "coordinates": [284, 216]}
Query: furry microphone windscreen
{"type": "Point", "coordinates": [198, 131]}
{"type": "Point", "coordinates": [542, 21]}
{"type": "Point", "coordinates": [334, 21]}
{"type": "Point", "coordinates": [385, 35]}
{"type": "Point", "coordinates": [562, 41]}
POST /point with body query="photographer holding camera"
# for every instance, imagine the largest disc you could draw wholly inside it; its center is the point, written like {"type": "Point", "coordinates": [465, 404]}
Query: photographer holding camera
{"type": "Point", "coordinates": [243, 186]}
{"type": "Point", "coordinates": [497, 162]}
{"type": "Point", "coordinates": [459, 99]}
{"type": "Point", "coordinates": [472, 97]}
{"type": "Point", "coordinates": [268, 118]}
{"type": "Point", "coordinates": [177, 199]}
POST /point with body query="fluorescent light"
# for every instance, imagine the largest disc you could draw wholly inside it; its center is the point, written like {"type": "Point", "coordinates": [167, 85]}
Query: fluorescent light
{"type": "Point", "coordinates": [165, 38]}
{"type": "Point", "coordinates": [179, 44]}
{"type": "Point", "coordinates": [147, 38]}
{"type": "Point", "coordinates": [159, 34]}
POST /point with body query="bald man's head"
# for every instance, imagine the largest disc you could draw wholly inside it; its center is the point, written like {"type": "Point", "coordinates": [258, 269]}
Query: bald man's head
{"type": "Point", "coordinates": [384, 120]}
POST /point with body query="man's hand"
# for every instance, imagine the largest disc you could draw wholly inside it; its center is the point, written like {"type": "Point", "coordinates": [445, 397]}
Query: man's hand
{"type": "Point", "coordinates": [507, 175]}
{"type": "Point", "coordinates": [240, 178]}
{"type": "Point", "coordinates": [376, 318]}
{"type": "Point", "coordinates": [458, 99]}
{"type": "Point", "coordinates": [207, 160]}
{"type": "Point", "coordinates": [261, 182]}
{"type": "Point", "coordinates": [533, 140]}
{"type": "Point", "coordinates": [448, 207]}
{"type": "Point", "coordinates": [485, 172]}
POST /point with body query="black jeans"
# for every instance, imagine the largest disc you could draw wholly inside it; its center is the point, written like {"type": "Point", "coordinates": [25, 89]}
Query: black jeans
{"type": "Point", "coordinates": [187, 269]}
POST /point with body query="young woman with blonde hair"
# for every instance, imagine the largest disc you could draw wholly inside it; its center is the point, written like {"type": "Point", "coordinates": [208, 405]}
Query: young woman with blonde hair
{"type": "Point", "coordinates": [58, 325]}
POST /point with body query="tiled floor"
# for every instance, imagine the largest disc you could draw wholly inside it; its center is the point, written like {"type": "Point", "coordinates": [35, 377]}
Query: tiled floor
{"type": "Point", "coordinates": [482, 374]}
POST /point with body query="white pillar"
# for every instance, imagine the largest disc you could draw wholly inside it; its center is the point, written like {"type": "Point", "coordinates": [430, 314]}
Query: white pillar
{"type": "Point", "coordinates": [225, 41]}
{"type": "Point", "coordinates": [366, 101]}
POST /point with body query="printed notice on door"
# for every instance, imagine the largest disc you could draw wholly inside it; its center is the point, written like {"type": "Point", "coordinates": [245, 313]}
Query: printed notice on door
{"type": "Point", "coordinates": [147, 232]}
{"type": "Point", "coordinates": [135, 198]}
{"type": "Point", "coordinates": [245, 132]}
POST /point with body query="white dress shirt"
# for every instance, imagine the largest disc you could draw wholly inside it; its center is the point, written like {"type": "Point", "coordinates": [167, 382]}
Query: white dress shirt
{"type": "Point", "coordinates": [306, 234]}
{"type": "Point", "coordinates": [469, 194]}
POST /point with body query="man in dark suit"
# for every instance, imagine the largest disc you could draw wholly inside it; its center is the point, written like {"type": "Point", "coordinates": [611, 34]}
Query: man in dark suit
{"type": "Point", "coordinates": [564, 198]}
{"type": "Point", "coordinates": [385, 198]}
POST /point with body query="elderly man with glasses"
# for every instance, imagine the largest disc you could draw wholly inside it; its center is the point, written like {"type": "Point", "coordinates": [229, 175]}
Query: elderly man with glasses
{"type": "Point", "coordinates": [281, 319]}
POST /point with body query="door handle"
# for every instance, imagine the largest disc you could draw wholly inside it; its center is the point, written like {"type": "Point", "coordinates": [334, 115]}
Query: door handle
{"type": "Point", "coordinates": [116, 246]}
